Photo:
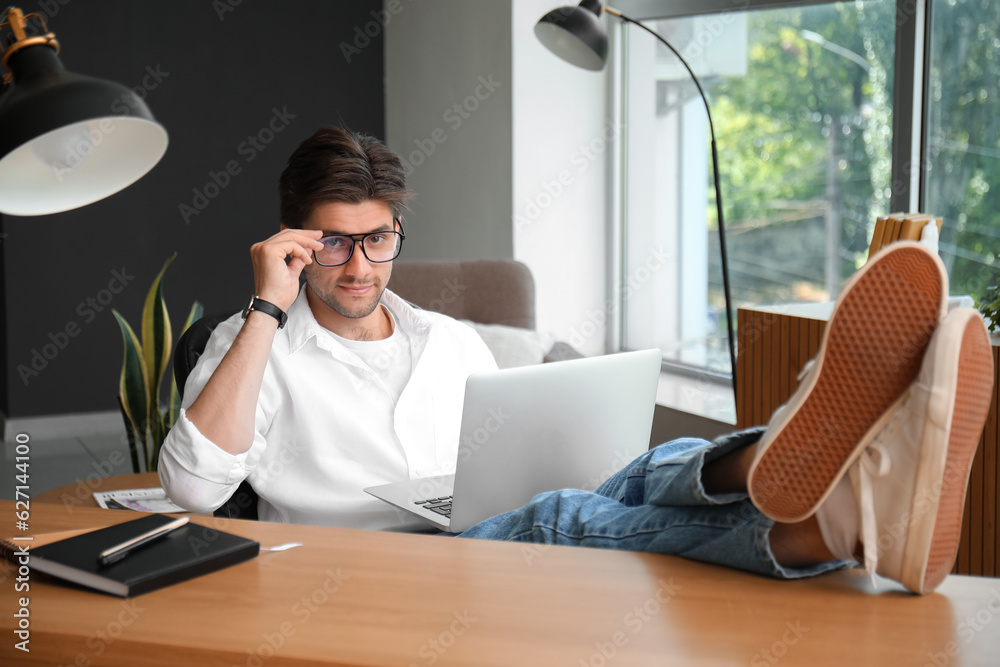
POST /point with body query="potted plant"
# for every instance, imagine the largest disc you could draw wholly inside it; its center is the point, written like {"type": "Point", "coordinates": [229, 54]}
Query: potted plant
{"type": "Point", "coordinates": [146, 420]}
{"type": "Point", "coordinates": [989, 306]}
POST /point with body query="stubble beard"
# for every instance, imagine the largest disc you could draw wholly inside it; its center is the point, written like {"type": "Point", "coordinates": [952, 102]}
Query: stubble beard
{"type": "Point", "coordinates": [353, 311]}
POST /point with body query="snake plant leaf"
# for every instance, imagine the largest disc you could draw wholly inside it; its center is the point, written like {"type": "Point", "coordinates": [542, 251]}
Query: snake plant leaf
{"type": "Point", "coordinates": [130, 432]}
{"type": "Point", "coordinates": [132, 386]}
{"type": "Point", "coordinates": [194, 315]}
{"type": "Point", "coordinates": [157, 339]}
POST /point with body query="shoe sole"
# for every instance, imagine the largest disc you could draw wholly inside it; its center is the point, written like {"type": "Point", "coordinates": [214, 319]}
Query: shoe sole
{"type": "Point", "coordinates": [871, 351]}
{"type": "Point", "coordinates": [973, 392]}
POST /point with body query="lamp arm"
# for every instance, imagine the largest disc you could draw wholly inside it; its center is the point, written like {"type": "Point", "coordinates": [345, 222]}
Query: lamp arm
{"type": "Point", "coordinates": [715, 177]}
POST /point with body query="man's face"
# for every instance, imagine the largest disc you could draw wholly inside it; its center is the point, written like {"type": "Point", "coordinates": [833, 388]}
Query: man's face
{"type": "Point", "coordinates": [350, 291]}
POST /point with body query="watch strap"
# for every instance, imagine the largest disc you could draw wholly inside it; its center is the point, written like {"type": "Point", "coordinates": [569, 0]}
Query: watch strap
{"type": "Point", "coordinates": [262, 306]}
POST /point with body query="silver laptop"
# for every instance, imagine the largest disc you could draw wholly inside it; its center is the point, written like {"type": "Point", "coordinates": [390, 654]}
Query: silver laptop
{"type": "Point", "coordinates": [563, 425]}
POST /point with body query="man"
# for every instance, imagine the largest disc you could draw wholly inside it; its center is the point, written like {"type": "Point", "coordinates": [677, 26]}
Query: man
{"type": "Point", "coordinates": [869, 459]}
{"type": "Point", "coordinates": [355, 389]}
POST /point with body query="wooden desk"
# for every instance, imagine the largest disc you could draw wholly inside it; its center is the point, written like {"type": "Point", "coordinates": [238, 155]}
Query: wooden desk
{"type": "Point", "coordinates": [775, 343]}
{"type": "Point", "coordinates": [353, 597]}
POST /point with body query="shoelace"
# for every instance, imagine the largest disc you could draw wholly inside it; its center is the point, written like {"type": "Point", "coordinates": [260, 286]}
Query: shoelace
{"type": "Point", "coordinates": [873, 463]}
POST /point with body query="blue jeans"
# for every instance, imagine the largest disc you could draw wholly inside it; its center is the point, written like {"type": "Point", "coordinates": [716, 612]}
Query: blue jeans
{"type": "Point", "coordinates": [656, 504]}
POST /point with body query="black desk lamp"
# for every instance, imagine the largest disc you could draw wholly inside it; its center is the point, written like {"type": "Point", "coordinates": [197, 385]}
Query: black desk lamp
{"type": "Point", "coordinates": [66, 140]}
{"type": "Point", "coordinates": [578, 36]}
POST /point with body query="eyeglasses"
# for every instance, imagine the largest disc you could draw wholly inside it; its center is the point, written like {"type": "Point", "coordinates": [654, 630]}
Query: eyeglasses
{"type": "Point", "coordinates": [378, 247]}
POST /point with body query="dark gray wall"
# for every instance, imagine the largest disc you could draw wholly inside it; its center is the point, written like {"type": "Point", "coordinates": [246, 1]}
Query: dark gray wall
{"type": "Point", "coordinates": [221, 77]}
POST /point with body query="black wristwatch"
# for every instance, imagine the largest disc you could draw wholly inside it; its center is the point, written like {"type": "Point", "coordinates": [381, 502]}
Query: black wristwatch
{"type": "Point", "coordinates": [258, 304]}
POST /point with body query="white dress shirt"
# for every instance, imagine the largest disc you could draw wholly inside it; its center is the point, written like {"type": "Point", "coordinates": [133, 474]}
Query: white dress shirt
{"type": "Point", "coordinates": [326, 426]}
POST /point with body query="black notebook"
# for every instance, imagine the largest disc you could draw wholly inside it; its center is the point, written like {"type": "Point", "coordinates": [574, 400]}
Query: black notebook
{"type": "Point", "coordinates": [184, 553]}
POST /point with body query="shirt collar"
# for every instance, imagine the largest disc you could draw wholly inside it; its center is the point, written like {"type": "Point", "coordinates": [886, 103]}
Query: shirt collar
{"type": "Point", "coordinates": [302, 324]}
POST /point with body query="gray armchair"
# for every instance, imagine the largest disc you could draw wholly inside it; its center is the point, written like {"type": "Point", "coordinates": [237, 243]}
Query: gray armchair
{"type": "Point", "coordinates": [487, 292]}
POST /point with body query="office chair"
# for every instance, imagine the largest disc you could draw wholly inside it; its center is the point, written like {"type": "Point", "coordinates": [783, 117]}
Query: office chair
{"type": "Point", "coordinates": [243, 503]}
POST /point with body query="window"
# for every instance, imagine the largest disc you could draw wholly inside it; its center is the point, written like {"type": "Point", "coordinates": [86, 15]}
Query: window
{"type": "Point", "coordinates": [961, 179]}
{"type": "Point", "coordinates": [803, 99]}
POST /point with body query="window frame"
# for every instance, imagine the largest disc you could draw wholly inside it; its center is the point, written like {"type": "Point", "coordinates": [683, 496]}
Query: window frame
{"type": "Point", "coordinates": [908, 172]}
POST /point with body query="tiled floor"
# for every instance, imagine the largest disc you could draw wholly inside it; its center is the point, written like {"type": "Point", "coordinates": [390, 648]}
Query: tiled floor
{"type": "Point", "coordinates": [53, 463]}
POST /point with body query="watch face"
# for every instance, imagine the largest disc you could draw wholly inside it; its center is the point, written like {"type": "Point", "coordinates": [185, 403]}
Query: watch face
{"type": "Point", "coordinates": [246, 309]}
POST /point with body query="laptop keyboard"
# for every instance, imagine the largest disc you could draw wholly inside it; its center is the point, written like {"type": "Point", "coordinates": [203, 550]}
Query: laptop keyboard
{"type": "Point", "coordinates": [441, 505]}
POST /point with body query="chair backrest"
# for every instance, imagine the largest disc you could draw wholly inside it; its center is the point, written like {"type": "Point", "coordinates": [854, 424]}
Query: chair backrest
{"type": "Point", "coordinates": [485, 291]}
{"type": "Point", "coordinates": [190, 346]}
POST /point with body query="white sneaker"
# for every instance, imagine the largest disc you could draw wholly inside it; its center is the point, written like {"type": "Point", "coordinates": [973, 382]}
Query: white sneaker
{"type": "Point", "coordinates": [870, 354]}
{"type": "Point", "coordinates": [912, 477]}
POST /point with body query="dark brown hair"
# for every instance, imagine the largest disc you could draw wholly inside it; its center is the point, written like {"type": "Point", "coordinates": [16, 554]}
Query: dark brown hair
{"type": "Point", "coordinates": [337, 165]}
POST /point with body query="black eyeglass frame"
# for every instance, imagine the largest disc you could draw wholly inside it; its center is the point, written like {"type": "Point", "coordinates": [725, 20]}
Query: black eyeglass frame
{"type": "Point", "coordinates": [360, 238]}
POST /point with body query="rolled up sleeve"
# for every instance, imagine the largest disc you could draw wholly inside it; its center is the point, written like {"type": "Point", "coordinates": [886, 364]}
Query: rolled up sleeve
{"type": "Point", "coordinates": [196, 473]}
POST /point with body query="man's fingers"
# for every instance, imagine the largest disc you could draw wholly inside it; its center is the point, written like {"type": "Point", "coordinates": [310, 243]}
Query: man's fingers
{"type": "Point", "coordinates": [309, 238]}
{"type": "Point", "coordinates": [296, 250]}
{"type": "Point", "coordinates": [288, 247]}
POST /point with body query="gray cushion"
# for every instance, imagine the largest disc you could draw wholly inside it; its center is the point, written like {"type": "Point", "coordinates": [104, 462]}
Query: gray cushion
{"type": "Point", "coordinates": [485, 291]}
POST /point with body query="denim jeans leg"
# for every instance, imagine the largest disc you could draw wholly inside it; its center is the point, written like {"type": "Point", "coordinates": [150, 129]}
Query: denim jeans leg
{"type": "Point", "coordinates": [656, 504]}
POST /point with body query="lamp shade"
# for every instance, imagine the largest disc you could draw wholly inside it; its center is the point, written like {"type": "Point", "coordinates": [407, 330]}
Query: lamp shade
{"type": "Point", "coordinates": [68, 140]}
{"type": "Point", "coordinates": [576, 34]}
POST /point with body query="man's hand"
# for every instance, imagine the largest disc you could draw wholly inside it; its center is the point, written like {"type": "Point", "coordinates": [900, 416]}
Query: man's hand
{"type": "Point", "coordinates": [275, 279]}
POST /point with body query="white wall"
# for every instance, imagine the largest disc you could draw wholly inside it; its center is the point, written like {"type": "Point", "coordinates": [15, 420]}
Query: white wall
{"type": "Point", "coordinates": [448, 95]}
{"type": "Point", "coordinates": [526, 174]}
{"type": "Point", "coordinates": [562, 145]}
